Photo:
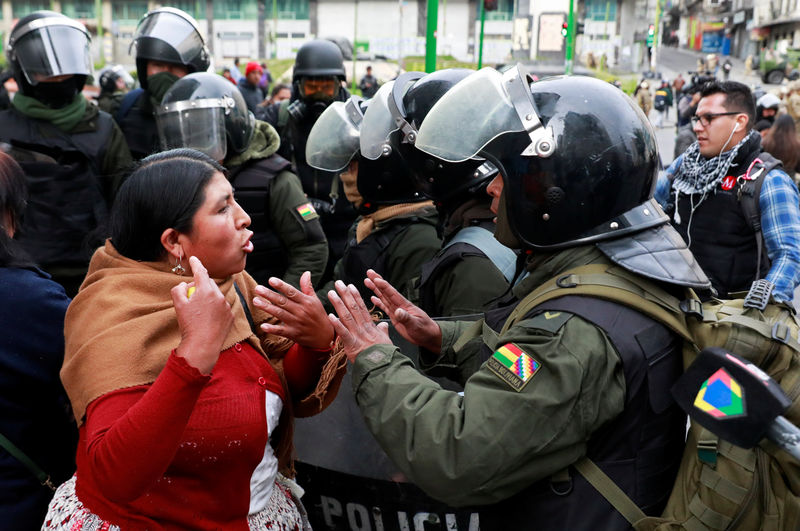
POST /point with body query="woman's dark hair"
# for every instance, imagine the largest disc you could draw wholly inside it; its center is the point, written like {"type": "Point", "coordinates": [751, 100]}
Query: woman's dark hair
{"type": "Point", "coordinates": [781, 142]}
{"type": "Point", "coordinates": [13, 198]}
{"type": "Point", "coordinates": [164, 191]}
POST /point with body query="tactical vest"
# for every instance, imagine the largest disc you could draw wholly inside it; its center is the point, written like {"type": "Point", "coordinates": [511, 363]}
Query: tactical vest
{"type": "Point", "coordinates": [137, 122]}
{"type": "Point", "coordinates": [725, 242]}
{"type": "Point", "coordinates": [372, 253]}
{"type": "Point", "coordinates": [468, 241]}
{"type": "Point", "coordinates": [66, 202]}
{"type": "Point", "coordinates": [640, 449]}
{"type": "Point", "coordinates": [251, 186]}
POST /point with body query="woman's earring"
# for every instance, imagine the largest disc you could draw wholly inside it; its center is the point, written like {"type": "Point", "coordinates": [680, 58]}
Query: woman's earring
{"type": "Point", "coordinates": [179, 269]}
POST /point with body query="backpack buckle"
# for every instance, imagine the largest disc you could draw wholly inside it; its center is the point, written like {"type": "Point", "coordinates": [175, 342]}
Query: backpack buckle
{"type": "Point", "coordinates": [707, 452]}
{"type": "Point", "coordinates": [781, 332]}
{"type": "Point", "coordinates": [692, 308]}
{"type": "Point", "coordinates": [566, 281]}
{"type": "Point", "coordinates": [758, 296]}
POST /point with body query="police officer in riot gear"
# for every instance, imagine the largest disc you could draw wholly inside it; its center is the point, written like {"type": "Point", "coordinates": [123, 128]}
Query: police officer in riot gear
{"type": "Point", "coordinates": [558, 388]}
{"type": "Point", "coordinates": [316, 83]}
{"type": "Point", "coordinates": [472, 268]}
{"type": "Point", "coordinates": [168, 45]}
{"type": "Point", "coordinates": [206, 112]}
{"type": "Point", "coordinates": [73, 155]}
{"type": "Point", "coordinates": [114, 82]}
{"type": "Point", "coordinates": [396, 231]}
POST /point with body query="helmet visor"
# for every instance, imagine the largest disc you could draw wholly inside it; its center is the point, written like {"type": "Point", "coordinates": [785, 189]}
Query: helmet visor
{"type": "Point", "coordinates": [333, 140]}
{"type": "Point", "coordinates": [378, 123]}
{"type": "Point", "coordinates": [196, 124]}
{"type": "Point", "coordinates": [468, 117]}
{"type": "Point", "coordinates": [173, 29]}
{"type": "Point", "coordinates": [53, 50]}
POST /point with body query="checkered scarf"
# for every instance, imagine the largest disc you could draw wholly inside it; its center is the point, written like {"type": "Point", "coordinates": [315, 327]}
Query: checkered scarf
{"type": "Point", "coordinates": [699, 175]}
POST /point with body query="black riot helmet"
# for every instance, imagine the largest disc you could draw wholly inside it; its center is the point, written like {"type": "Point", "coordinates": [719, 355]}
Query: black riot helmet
{"type": "Point", "coordinates": [318, 58]}
{"type": "Point", "coordinates": [412, 97]}
{"type": "Point", "coordinates": [206, 112]}
{"type": "Point", "coordinates": [45, 44]}
{"type": "Point", "coordinates": [334, 142]}
{"type": "Point", "coordinates": [110, 75]}
{"type": "Point", "coordinates": [578, 158]}
{"type": "Point", "coordinates": [172, 36]}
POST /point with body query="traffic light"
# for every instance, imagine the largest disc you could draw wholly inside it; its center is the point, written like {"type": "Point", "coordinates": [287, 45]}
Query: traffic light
{"type": "Point", "coordinates": [490, 5]}
{"type": "Point", "coordinates": [564, 29]}
{"type": "Point", "coordinates": [579, 28]}
{"type": "Point", "coordinates": [651, 31]}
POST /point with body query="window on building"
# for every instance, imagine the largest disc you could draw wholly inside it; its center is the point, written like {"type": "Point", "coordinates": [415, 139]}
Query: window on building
{"type": "Point", "coordinates": [78, 9]}
{"type": "Point", "coordinates": [597, 9]}
{"type": "Point", "coordinates": [289, 9]}
{"type": "Point", "coordinates": [20, 8]}
{"type": "Point", "coordinates": [505, 11]}
{"type": "Point", "coordinates": [128, 13]}
{"type": "Point", "coordinates": [236, 10]}
{"type": "Point", "coordinates": [196, 8]}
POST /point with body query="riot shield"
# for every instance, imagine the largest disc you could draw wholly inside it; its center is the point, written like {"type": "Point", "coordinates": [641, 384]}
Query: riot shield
{"type": "Point", "coordinates": [350, 483]}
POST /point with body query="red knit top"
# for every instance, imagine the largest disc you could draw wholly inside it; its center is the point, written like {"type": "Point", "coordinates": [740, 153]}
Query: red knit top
{"type": "Point", "coordinates": [179, 453]}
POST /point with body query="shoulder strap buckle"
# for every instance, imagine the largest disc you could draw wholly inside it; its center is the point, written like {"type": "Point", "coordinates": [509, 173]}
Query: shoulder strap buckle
{"type": "Point", "coordinates": [707, 451]}
{"type": "Point", "coordinates": [692, 308]}
{"type": "Point", "coordinates": [567, 281]}
{"type": "Point", "coordinates": [758, 296]}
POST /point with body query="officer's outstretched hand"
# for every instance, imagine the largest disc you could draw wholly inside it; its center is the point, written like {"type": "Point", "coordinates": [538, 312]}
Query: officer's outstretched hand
{"type": "Point", "coordinates": [409, 320]}
{"type": "Point", "coordinates": [302, 317]}
{"type": "Point", "coordinates": [355, 327]}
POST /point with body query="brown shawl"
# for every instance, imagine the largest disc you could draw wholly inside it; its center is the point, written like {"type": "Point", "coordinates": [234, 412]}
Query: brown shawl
{"type": "Point", "coordinates": [121, 328]}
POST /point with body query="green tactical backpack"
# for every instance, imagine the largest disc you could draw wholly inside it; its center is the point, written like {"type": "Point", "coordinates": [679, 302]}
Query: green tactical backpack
{"type": "Point", "coordinates": [719, 486]}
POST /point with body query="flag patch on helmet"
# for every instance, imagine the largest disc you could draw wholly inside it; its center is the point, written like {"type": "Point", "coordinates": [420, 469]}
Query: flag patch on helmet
{"type": "Point", "coordinates": [307, 212]}
{"type": "Point", "coordinates": [513, 365]}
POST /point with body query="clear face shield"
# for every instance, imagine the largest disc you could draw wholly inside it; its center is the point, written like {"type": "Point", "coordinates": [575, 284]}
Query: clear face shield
{"type": "Point", "coordinates": [175, 29]}
{"type": "Point", "coordinates": [378, 124]}
{"type": "Point", "coordinates": [477, 110]}
{"type": "Point", "coordinates": [196, 124]}
{"type": "Point", "coordinates": [334, 139]}
{"type": "Point", "coordinates": [49, 47]}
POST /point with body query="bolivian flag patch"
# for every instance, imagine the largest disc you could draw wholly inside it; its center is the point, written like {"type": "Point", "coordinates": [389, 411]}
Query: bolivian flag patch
{"type": "Point", "coordinates": [513, 365]}
{"type": "Point", "coordinates": [307, 212]}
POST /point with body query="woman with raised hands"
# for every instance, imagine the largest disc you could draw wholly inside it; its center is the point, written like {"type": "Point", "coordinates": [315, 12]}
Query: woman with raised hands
{"type": "Point", "coordinates": [184, 376]}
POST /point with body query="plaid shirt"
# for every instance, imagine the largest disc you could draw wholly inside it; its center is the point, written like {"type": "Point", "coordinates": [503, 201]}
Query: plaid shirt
{"type": "Point", "coordinates": [780, 225]}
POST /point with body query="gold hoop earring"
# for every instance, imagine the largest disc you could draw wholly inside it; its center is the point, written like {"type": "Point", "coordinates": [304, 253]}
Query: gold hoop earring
{"type": "Point", "coordinates": [179, 269]}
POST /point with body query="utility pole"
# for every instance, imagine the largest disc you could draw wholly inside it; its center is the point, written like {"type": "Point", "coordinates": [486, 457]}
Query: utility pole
{"type": "Point", "coordinates": [355, 48]}
{"type": "Point", "coordinates": [480, 45]}
{"type": "Point", "coordinates": [656, 35]}
{"type": "Point", "coordinates": [430, 35]}
{"type": "Point", "coordinates": [274, 29]}
{"type": "Point", "coordinates": [570, 44]}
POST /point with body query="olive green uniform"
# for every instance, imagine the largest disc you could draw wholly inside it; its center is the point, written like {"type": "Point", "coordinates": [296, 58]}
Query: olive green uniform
{"type": "Point", "coordinates": [301, 237]}
{"type": "Point", "coordinates": [494, 441]}
{"type": "Point", "coordinates": [468, 287]}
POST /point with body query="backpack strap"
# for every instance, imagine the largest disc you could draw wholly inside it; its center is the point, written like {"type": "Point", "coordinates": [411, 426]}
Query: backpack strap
{"type": "Point", "coordinates": [610, 283]}
{"type": "Point", "coordinates": [750, 194]}
{"type": "Point", "coordinates": [19, 455]}
{"type": "Point", "coordinates": [127, 103]}
{"type": "Point", "coordinates": [246, 308]}
{"type": "Point", "coordinates": [610, 491]}
{"type": "Point", "coordinates": [503, 258]}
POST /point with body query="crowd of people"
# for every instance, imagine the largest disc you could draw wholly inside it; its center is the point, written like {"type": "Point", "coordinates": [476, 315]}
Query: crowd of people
{"type": "Point", "coordinates": [187, 266]}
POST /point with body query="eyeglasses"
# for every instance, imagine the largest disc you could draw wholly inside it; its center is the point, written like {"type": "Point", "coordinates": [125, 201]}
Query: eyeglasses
{"type": "Point", "coordinates": [705, 119]}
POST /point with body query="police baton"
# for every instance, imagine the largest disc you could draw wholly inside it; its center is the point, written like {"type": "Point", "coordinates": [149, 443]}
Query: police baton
{"type": "Point", "coordinates": [736, 401]}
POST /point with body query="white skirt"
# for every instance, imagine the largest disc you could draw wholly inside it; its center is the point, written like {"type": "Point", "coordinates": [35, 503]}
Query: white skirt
{"type": "Point", "coordinates": [284, 511]}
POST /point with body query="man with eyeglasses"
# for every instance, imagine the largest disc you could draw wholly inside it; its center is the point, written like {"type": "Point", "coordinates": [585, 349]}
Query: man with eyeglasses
{"type": "Point", "coordinates": [732, 202]}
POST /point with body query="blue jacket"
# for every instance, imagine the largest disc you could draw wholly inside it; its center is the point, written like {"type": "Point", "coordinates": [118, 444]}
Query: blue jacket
{"type": "Point", "coordinates": [36, 415]}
